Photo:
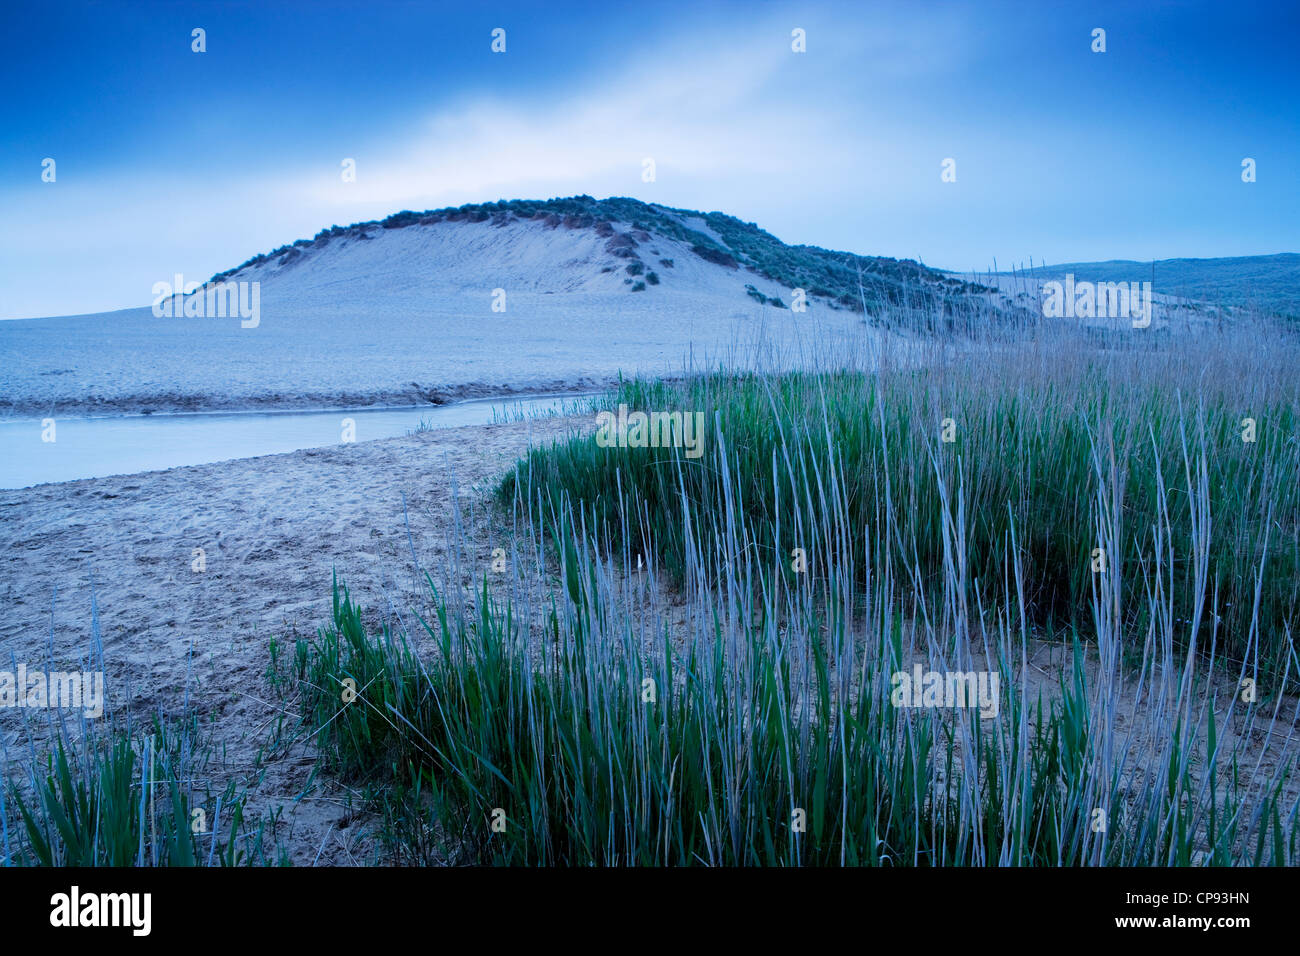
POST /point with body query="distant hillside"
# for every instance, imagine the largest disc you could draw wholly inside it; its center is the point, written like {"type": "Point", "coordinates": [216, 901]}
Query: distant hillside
{"type": "Point", "coordinates": [1271, 283]}
{"type": "Point", "coordinates": [838, 279]}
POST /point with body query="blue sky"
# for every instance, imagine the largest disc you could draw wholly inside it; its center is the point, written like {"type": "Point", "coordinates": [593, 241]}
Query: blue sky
{"type": "Point", "coordinates": [173, 161]}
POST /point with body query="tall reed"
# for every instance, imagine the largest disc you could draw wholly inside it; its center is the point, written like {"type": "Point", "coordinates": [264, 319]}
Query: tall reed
{"type": "Point", "coordinates": [683, 695]}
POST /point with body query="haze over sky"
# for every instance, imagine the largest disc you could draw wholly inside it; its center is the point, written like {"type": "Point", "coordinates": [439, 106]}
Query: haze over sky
{"type": "Point", "coordinates": [173, 161]}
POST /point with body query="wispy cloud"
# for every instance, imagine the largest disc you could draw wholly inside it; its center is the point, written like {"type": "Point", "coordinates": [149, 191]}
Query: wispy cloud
{"type": "Point", "coordinates": [704, 109]}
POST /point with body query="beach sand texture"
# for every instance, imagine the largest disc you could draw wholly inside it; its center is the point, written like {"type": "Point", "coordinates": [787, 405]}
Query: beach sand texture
{"type": "Point", "coordinates": [273, 530]}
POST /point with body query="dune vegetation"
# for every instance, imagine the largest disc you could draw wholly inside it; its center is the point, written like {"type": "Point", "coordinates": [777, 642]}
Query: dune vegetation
{"type": "Point", "coordinates": [678, 659]}
{"type": "Point", "coordinates": [713, 680]}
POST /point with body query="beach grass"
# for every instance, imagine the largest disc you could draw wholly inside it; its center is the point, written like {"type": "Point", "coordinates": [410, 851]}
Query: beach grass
{"type": "Point", "coordinates": [699, 653]}
{"type": "Point", "coordinates": [686, 693]}
{"type": "Point", "coordinates": [129, 796]}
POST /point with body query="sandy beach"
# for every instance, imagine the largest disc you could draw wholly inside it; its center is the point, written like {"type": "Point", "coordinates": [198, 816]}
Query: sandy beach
{"type": "Point", "coordinates": [272, 530]}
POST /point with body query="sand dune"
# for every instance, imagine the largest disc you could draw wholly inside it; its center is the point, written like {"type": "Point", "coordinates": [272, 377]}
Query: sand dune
{"type": "Point", "coordinates": [406, 317]}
